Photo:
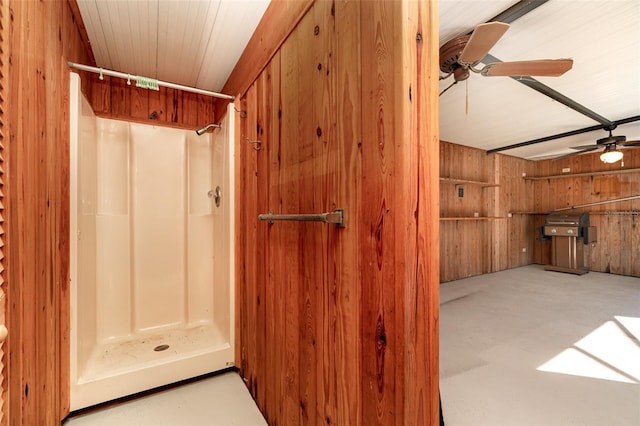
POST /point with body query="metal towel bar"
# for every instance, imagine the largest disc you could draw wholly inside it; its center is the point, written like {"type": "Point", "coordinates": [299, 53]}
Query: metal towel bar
{"type": "Point", "coordinates": [336, 216]}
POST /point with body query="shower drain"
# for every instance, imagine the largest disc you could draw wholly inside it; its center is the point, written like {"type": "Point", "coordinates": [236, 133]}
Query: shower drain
{"type": "Point", "coordinates": [161, 348]}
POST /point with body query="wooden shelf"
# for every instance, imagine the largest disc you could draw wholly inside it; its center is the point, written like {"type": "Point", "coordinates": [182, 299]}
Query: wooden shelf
{"type": "Point", "coordinates": [570, 175]}
{"type": "Point", "coordinates": [470, 218]}
{"type": "Point", "coordinates": [468, 182]}
{"type": "Point", "coordinates": [619, 213]}
{"type": "Point", "coordinates": [592, 213]}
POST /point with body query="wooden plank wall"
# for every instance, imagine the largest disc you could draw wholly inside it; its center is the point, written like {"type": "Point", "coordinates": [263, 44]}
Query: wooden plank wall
{"type": "Point", "coordinates": [339, 326]}
{"type": "Point", "coordinates": [42, 36]}
{"type": "Point", "coordinates": [4, 13]}
{"type": "Point", "coordinates": [512, 236]}
{"type": "Point", "coordinates": [618, 224]}
{"type": "Point", "coordinates": [113, 98]}
{"type": "Point", "coordinates": [494, 241]}
{"type": "Point", "coordinates": [501, 242]}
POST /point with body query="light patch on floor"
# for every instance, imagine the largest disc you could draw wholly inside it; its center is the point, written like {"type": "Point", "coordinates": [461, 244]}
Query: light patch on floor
{"type": "Point", "coordinates": [607, 353]}
{"type": "Point", "coordinates": [576, 363]}
{"type": "Point", "coordinates": [631, 325]}
{"type": "Point", "coordinates": [220, 400]}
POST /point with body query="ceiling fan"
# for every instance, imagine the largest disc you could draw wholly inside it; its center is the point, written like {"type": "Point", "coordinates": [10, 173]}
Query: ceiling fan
{"type": "Point", "coordinates": [461, 54]}
{"type": "Point", "coordinates": [611, 153]}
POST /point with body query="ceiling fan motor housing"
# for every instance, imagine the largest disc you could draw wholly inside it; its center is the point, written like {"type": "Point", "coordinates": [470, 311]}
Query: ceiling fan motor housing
{"type": "Point", "coordinates": [611, 140]}
{"type": "Point", "coordinates": [449, 55]}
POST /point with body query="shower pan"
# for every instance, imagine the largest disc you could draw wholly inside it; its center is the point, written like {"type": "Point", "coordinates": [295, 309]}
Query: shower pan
{"type": "Point", "coordinates": [151, 254]}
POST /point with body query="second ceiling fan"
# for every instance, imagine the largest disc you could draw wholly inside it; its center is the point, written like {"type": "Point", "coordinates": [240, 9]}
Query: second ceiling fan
{"type": "Point", "coordinates": [611, 145]}
{"type": "Point", "coordinates": [460, 55]}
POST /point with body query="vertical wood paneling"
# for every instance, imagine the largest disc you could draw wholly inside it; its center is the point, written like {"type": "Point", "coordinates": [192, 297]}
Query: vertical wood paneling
{"type": "Point", "coordinates": [417, 124]}
{"type": "Point", "coordinates": [3, 130]}
{"type": "Point", "coordinates": [42, 37]}
{"type": "Point", "coordinates": [290, 247]}
{"type": "Point", "coordinates": [139, 103]}
{"type": "Point", "coordinates": [377, 239]}
{"type": "Point", "coordinates": [348, 189]}
{"type": "Point", "coordinates": [350, 314]}
{"type": "Point", "coordinates": [310, 185]}
{"type": "Point", "coordinates": [512, 241]}
{"type": "Point", "coordinates": [325, 115]}
{"type": "Point", "coordinates": [113, 98]}
{"type": "Point", "coordinates": [635, 246]}
{"type": "Point", "coordinates": [249, 256]}
{"type": "Point", "coordinates": [472, 247]}
{"type": "Point", "coordinates": [264, 113]}
{"type": "Point", "coordinates": [268, 110]}
{"type": "Point", "coordinates": [618, 233]}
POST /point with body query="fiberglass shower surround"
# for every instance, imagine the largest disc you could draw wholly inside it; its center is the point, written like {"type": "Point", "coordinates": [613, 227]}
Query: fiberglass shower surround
{"type": "Point", "coordinates": [151, 254]}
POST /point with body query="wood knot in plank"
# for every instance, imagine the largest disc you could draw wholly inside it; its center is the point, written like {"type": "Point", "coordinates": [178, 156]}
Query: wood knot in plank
{"type": "Point", "coordinates": [378, 235]}
{"type": "Point", "coordinates": [381, 346]}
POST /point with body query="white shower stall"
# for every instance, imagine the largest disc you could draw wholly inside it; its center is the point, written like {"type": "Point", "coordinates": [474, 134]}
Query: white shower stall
{"type": "Point", "coordinates": [151, 254]}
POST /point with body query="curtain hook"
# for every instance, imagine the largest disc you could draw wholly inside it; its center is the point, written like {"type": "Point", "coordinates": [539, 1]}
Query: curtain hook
{"type": "Point", "coordinates": [243, 113]}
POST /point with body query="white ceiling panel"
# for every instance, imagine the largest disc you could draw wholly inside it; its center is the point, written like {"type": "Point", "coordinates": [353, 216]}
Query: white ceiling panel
{"type": "Point", "coordinates": [190, 42]}
{"type": "Point", "coordinates": [601, 42]}
{"type": "Point", "coordinates": [181, 33]}
{"type": "Point", "coordinates": [226, 45]}
{"type": "Point", "coordinates": [603, 38]}
{"type": "Point", "coordinates": [459, 17]}
{"type": "Point", "coordinates": [490, 102]}
{"type": "Point", "coordinates": [91, 19]}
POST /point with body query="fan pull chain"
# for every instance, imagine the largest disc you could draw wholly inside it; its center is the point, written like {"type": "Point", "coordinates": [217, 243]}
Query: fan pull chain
{"type": "Point", "coordinates": [466, 99]}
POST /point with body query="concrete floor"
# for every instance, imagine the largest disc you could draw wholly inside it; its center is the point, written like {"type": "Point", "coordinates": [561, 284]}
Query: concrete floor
{"type": "Point", "coordinates": [220, 400]}
{"type": "Point", "coordinates": [531, 347]}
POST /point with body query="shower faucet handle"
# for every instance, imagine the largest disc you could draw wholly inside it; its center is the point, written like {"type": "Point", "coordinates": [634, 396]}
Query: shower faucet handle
{"type": "Point", "coordinates": [216, 194]}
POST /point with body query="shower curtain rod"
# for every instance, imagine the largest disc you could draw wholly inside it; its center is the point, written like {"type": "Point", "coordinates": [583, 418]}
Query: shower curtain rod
{"type": "Point", "coordinates": [130, 77]}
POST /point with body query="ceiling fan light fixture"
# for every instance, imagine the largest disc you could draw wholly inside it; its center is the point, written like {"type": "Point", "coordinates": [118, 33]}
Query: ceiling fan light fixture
{"type": "Point", "coordinates": [611, 155]}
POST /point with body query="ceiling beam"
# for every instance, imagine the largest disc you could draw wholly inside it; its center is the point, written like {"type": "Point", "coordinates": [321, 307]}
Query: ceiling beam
{"type": "Point", "coordinates": [518, 10]}
{"type": "Point", "coordinates": [555, 95]}
{"type": "Point", "coordinates": [566, 134]}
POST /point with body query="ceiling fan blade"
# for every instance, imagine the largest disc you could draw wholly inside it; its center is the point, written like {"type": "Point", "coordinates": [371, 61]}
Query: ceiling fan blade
{"type": "Point", "coordinates": [481, 41]}
{"type": "Point", "coordinates": [541, 67]}
{"type": "Point", "coordinates": [592, 148]}
{"type": "Point", "coordinates": [631, 143]}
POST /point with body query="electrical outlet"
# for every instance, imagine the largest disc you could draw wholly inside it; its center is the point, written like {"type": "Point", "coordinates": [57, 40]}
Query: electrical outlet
{"type": "Point", "coordinates": [566, 170]}
{"type": "Point", "coordinates": [509, 215]}
{"type": "Point", "coordinates": [524, 174]}
{"type": "Point", "coordinates": [524, 249]}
